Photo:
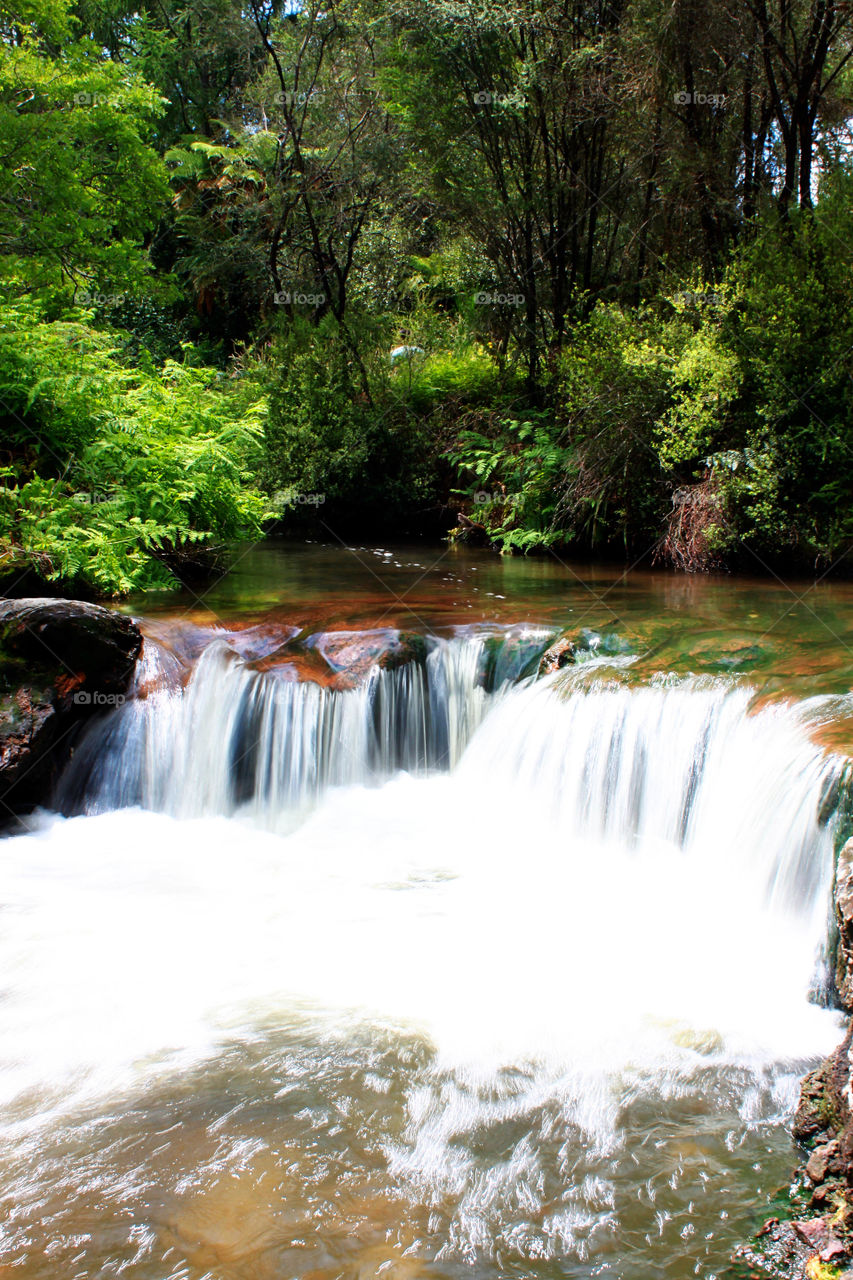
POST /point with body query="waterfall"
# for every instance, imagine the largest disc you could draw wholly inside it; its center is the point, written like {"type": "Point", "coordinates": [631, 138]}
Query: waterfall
{"type": "Point", "coordinates": [529, 957]}
{"type": "Point", "coordinates": [685, 764]}
{"type": "Point", "coordinates": [239, 739]}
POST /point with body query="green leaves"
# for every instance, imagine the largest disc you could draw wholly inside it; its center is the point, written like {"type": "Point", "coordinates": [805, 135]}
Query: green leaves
{"type": "Point", "coordinates": [131, 463]}
{"type": "Point", "coordinates": [79, 186]}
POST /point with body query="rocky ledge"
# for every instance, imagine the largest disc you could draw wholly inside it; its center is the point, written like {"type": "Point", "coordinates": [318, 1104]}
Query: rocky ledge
{"type": "Point", "coordinates": [816, 1243]}
{"type": "Point", "coordinates": [60, 662]}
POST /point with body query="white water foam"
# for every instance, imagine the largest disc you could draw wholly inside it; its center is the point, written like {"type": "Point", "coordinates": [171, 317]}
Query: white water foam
{"type": "Point", "coordinates": [611, 880]}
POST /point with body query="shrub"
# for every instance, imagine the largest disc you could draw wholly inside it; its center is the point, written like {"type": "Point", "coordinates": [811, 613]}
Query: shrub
{"type": "Point", "coordinates": [114, 473]}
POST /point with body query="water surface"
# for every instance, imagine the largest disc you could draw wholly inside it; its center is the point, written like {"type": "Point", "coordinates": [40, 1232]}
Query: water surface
{"type": "Point", "coordinates": [448, 974]}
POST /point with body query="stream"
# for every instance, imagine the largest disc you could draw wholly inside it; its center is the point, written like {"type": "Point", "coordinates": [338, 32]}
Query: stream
{"type": "Point", "coordinates": [445, 970]}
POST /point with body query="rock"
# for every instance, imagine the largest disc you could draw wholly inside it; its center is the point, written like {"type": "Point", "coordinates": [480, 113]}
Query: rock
{"type": "Point", "coordinates": [510, 653]}
{"type": "Point", "coordinates": [560, 654]}
{"type": "Point", "coordinates": [470, 533]}
{"type": "Point", "coordinates": [340, 660]}
{"type": "Point", "coordinates": [584, 644]}
{"type": "Point", "coordinates": [260, 642]}
{"type": "Point", "coordinates": [824, 1121]}
{"type": "Point", "coordinates": [816, 1165]}
{"type": "Point", "coordinates": [819, 1161]}
{"type": "Point", "coordinates": [823, 1108]}
{"type": "Point", "coordinates": [814, 1231]}
{"type": "Point", "coordinates": [61, 661]}
{"type": "Point", "coordinates": [70, 633]}
{"type": "Point", "coordinates": [352, 655]}
{"type": "Point", "coordinates": [844, 921]}
{"type": "Point", "coordinates": [778, 1250]}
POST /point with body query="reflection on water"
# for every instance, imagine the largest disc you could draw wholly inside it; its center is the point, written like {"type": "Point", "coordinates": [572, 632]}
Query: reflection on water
{"type": "Point", "coordinates": [795, 636]}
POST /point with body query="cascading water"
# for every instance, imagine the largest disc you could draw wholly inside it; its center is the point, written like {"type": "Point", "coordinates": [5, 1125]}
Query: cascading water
{"type": "Point", "coordinates": [240, 739]}
{"type": "Point", "coordinates": [440, 972]}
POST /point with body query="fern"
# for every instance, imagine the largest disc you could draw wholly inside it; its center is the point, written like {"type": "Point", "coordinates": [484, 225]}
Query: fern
{"type": "Point", "coordinates": [143, 463]}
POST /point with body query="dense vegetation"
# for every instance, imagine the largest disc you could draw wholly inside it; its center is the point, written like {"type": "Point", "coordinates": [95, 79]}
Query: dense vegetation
{"type": "Point", "coordinates": [610, 243]}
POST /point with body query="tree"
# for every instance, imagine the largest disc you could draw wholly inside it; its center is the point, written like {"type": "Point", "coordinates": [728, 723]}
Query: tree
{"type": "Point", "coordinates": [80, 186]}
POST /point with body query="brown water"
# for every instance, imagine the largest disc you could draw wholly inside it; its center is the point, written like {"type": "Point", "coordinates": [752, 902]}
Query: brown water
{"type": "Point", "coordinates": [793, 636]}
{"type": "Point", "coordinates": [433, 1027]}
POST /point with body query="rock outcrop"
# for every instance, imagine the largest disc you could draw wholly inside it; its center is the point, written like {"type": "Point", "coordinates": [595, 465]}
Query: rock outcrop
{"type": "Point", "coordinates": [582, 645]}
{"type": "Point", "coordinates": [352, 655]}
{"type": "Point", "coordinates": [844, 923]}
{"type": "Point", "coordinates": [339, 659]}
{"type": "Point", "coordinates": [557, 655]}
{"type": "Point", "coordinates": [818, 1243]}
{"type": "Point", "coordinates": [61, 661]}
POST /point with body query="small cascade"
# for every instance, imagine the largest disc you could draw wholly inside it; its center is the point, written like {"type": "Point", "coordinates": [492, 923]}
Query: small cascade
{"type": "Point", "coordinates": [689, 765]}
{"type": "Point", "coordinates": [236, 739]}
{"type": "Point", "coordinates": [679, 764]}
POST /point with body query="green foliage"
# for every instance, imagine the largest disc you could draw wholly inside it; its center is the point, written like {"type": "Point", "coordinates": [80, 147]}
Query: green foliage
{"type": "Point", "coordinates": [79, 186]}
{"type": "Point", "coordinates": [732, 402]}
{"type": "Point", "coordinates": [117, 471]}
{"type": "Point", "coordinates": [468, 377]}
{"type": "Point", "coordinates": [515, 467]}
{"type": "Point", "coordinates": [706, 378]}
{"type": "Point", "coordinates": [332, 451]}
{"type": "Point", "coordinates": [614, 385]}
{"type": "Point", "coordinates": [791, 328]}
{"type": "Point", "coordinates": [588, 470]}
{"type": "Point", "coordinates": [634, 328]}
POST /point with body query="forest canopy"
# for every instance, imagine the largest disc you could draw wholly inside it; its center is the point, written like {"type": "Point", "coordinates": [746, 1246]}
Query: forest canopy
{"type": "Point", "coordinates": [548, 274]}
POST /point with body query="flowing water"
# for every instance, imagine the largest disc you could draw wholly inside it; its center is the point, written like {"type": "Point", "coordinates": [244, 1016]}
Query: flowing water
{"type": "Point", "coordinates": [442, 970]}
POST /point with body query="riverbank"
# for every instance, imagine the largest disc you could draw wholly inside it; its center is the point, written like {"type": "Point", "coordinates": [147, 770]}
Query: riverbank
{"type": "Point", "coordinates": [812, 1238]}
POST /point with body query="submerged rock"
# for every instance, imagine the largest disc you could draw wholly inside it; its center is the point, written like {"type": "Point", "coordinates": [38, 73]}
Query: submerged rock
{"type": "Point", "coordinates": [581, 646]}
{"type": "Point", "coordinates": [261, 641]}
{"type": "Point", "coordinates": [510, 653]}
{"type": "Point", "coordinates": [61, 661]}
{"type": "Point", "coordinates": [558, 655]}
{"type": "Point", "coordinates": [350, 656]}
